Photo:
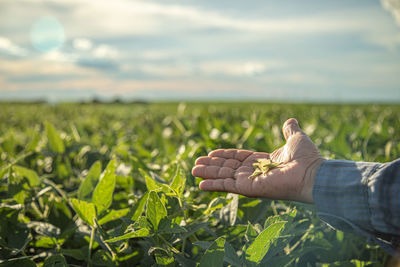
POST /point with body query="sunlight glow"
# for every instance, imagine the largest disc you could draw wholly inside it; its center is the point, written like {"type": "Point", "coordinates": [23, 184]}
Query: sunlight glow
{"type": "Point", "coordinates": [47, 34]}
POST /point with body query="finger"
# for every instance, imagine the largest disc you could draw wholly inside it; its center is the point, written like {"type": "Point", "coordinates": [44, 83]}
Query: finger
{"type": "Point", "coordinates": [220, 185]}
{"type": "Point", "coordinates": [261, 154]}
{"type": "Point", "coordinates": [290, 127]}
{"type": "Point", "coordinates": [277, 155]}
{"type": "Point", "coordinates": [210, 161]}
{"type": "Point", "coordinates": [232, 163]}
{"type": "Point", "coordinates": [231, 154]}
{"type": "Point", "coordinates": [216, 161]}
{"type": "Point", "coordinates": [212, 172]}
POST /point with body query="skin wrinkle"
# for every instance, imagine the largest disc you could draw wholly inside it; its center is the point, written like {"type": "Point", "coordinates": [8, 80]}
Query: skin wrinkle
{"type": "Point", "coordinates": [211, 169]}
{"type": "Point", "coordinates": [219, 174]}
{"type": "Point", "coordinates": [229, 172]}
{"type": "Point", "coordinates": [222, 173]}
{"type": "Point", "coordinates": [231, 154]}
{"type": "Point", "coordinates": [222, 162]}
{"type": "Point", "coordinates": [231, 163]}
{"type": "Point", "coordinates": [234, 186]}
{"type": "Point", "coordinates": [223, 185]}
{"type": "Point", "coordinates": [239, 156]}
{"type": "Point", "coordinates": [217, 161]}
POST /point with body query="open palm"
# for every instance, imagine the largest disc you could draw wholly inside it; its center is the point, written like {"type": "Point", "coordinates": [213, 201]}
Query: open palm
{"type": "Point", "coordinates": [228, 170]}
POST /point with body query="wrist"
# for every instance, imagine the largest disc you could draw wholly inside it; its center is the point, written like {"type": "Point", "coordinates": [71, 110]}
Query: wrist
{"type": "Point", "coordinates": [309, 177]}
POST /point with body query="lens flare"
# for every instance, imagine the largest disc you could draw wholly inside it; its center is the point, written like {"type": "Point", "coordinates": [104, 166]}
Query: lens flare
{"type": "Point", "coordinates": [47, 34]}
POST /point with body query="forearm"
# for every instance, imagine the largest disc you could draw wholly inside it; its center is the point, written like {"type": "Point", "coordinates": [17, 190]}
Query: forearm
{"type": "Point", "coordinates": [360, 197]}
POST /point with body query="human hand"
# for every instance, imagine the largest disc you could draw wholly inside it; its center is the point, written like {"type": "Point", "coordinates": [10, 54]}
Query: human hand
{"type": "Point", "coordinates": [228, 170]}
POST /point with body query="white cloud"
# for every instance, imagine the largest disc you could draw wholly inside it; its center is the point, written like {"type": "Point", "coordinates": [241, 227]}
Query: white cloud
{"type": "Point", "coordinates": [107, 19]}
{"type": "Point", "coordinates": [205, 68]}
{"type": "Point", "coordinates": [175, 70]}
{"type": "Point", "coordinates": [185, 45]}
{"type": "Point", "coordinates": [32, 67]}
{"type": "Point", "coordinates": [10, 48]}
{"type": "Point", "coordinates": [144, 17]}
{"type": "Point", "coordinates": [157, 54]}
{"type": "Point", "coordinates": [147, 17]}
{"type": "Point", "coordinates": [82, 44]}
{"type": "Point", "coordinates": [105, 52]}
{"type": "Point", "coordinates": [249, 68]}
{"type": "Point", "coordinates": [59, 56]}
{"type": "Point", "coordinates": [121, 17]}
{"type": "Point", "coordinates": [85, 52]}
{"type": "Point", "coordinates": [394, 7]}
{"type": "Point", "coordinates": [387, 40]}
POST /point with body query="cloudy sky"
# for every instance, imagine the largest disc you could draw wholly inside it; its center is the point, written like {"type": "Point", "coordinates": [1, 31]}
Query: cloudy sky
{"type": "Point", "coordinates": [310, 50]}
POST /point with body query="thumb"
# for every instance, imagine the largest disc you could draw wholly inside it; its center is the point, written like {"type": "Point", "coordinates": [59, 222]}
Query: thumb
{"type": "Point", "coordinates": [290, 128]}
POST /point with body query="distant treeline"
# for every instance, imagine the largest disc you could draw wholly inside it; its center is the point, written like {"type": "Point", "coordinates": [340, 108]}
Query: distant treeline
{"type": "Point", "coordinates": [93, 101]}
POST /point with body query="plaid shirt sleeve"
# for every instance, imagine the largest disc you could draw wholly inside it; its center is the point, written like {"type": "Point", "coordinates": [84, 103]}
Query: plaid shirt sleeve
{"type": "Point", "coordinates": [361, 197]}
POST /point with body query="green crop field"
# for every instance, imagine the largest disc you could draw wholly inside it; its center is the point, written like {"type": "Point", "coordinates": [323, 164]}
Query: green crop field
{"type": "Point", "coordinates": [111, 185]}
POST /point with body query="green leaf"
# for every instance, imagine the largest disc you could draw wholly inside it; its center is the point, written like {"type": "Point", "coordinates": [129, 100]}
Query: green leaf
{"type": "Point", "coordinates": [231, 256]}
{"type": "Point", "coordinates": [184, 262]}
{"type": "Point", "coordinates": [45, 242]}
{"type": "Point", "coordinates": [228, 213]}
{"type": "Point", "coordinates": [102, 258]}
{"type": "Point", "coordinates": [193, 228]}
{"type": "Point", "coordinates": [139, 233]}
{"type": "Point", "coordinates": [57, 260]}
{"type": "Point", "coordinates": [163, 256]}
{"type": "Point", "coordinates": [151, 184]}
{"type": "Point", "coordinates": [35, 141]}
{"type": "Point", "coordinates": [203, 244]}
{"type": "Point", "coordinates": [271, 220]}
{"type": "Point", "coordinates": [214, 255]}
{"type": "Point", "coordinates": [55, 141]}
{"type": "Point", "coordinates": [140, 207]}
{"type": "Point", "coordinates": [24, 261]}
{"type": "Point", "coordinates": [79, 254]}
{"type": "Point", "coordinates": [251, 233]}
{"type": "Point", "coordinates": [3, 171]}
{"type": "Point", "coordinates": [179, 182]}
{"type": "Point", "coordinates": [103, 193]}
{"type": "Point", "coordinates": [85, 210]}
{"type": "Point", "coordinates": [142, 222]}
{"type": "Point", "coordinates": [215, 204]}
{"type": "Point", "coordinates": [167, 227]}
{"type": "Point", "coordinates": [88, 184]}
{"type": "Point", "coordinates": [163, 259]}
{"type": "Point", "coordinates": [31, 175]}
{"type": "Point", "coordinates": [155, 209]}
{"type": "Point", "coordinates": [339, 235]}
{"type": "Point", "coordinates": [18, 192]}
{"type": "Point", "coordinates": [260, 246]}
{"type": "Point", "coordinates": [113, 215]}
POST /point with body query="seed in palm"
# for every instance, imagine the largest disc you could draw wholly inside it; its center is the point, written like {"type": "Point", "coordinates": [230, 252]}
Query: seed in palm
{"type": "Point", "coordinates": [262, 166]}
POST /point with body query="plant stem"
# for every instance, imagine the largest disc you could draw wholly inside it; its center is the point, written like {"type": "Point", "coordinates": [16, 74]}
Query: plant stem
{"type": "Point", "coordinates": [91, 245]}
{"type": "Point", "coordinates": [183, 245]}
{"type": "Point", "coordinates": [274, 208]}
{"type": "Point", "coordinates": [169, 244]}
{"type": "Point", "coordinates": [113, 255]}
